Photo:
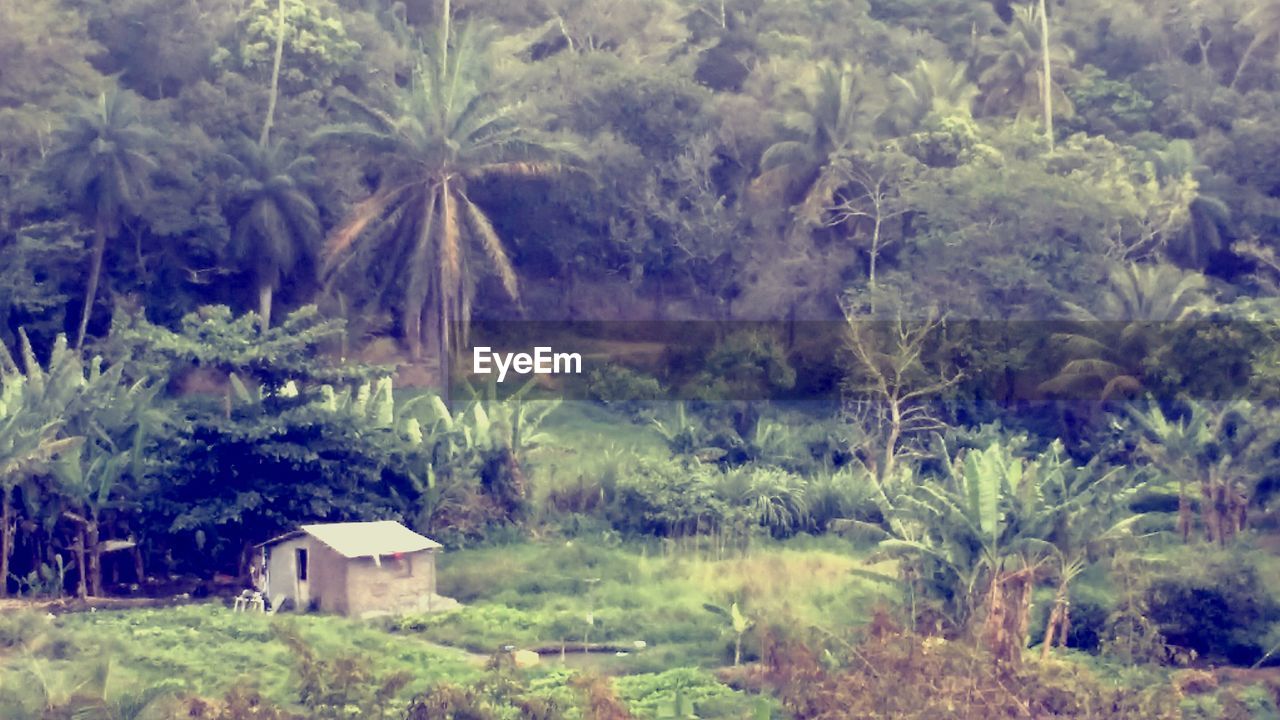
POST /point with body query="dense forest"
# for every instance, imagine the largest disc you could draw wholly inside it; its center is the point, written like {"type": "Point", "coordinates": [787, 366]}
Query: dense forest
{"type": "Point", "coordinates": [932, 351]}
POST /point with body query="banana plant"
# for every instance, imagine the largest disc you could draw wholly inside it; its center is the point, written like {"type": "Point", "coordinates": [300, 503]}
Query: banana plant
{"type": "Point", "coordinates": [1080, 511]}
{"type": "Point", "coordinates": [34, 402]}
{"type": "Point", "coordinates": [373, 404]}
{"type": "Point", "coordinates": [966, 531]}
{"type": "Point", "coordinates": [1224, 449]}
{"type": "Point", "coordinates": [513, 421]}
{"type": "Point", "coordinates": [999, 522]}
{"type": "Point", "coordinates": [740, 624]}
{"type": "Point", "coordinates": [684, 433]}
{"type": "Point", "coordinates": [91, 480]}
{"type": "Point", "coordinates": [49, 691]}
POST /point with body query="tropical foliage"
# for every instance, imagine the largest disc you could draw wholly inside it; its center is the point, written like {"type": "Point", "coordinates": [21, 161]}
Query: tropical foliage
{"type": "Point", "coordinates": [912, 334]}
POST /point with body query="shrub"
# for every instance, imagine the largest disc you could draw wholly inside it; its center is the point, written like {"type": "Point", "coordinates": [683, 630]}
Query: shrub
{"type": "Point", "coordinates": [19, 629]}
{"type": "Point", "coordinates": [745, 365]}
{"type": "Point", "coordinates": [1219, 608]}
{"type": "Point", "coordinates": [825, 681]}
{"type": "Point", "coordinates": [239, 703]}
{"type": "Point", "coordinates": [665, 498]}
{"type": "Point", "coordinates": [682, 692]}
{"type": "Point", "coordinates": [339, 686]}
{"type": "Point", "coordinates": [629, 390]}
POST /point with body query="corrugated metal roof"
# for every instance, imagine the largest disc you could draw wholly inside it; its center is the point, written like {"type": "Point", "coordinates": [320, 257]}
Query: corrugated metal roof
{"type": "Point", "coordinates": [365, 539]}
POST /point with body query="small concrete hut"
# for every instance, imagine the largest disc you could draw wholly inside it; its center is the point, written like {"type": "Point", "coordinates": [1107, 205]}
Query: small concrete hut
{"type": "Point", "coordinates": [359, 569]}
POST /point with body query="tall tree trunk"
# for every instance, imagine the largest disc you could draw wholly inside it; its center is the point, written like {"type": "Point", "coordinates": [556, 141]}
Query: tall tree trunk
{"type": "Point", "coordinates": [888, 462]}
{"type": "Point", "coordinates": [6, 538]}
{"type": "Point", "coordinates": [82, 565]}
{"type": "Point", "coordinates": [1049, 627]}
{"type": "Point", "coordinates": [1057, 620]}
{"type": "Point", "coordinates": [275, 77]}
{"type": "Point", "coordinates": [411, 324]}
{"type": "Point", "coordinates": [139, 570]}
{"type": "Point", "coordinates": [95, 273]}
{"type": "Point", "coordinates": [1260, 38]}
{"type": "Point", "coordinates": [445, 353]}
{"type": "Point", "coordinates": [1046, 85]}
{"type": "Point", "coordinates": [94, 556]}
{"type": "Point", "coordinates": [791, 324]}
{"type": "Point", "coordinates": [1184, 513]}
{"type": "Point", "coordinates": [264, 305]}
{"type": "Point", "coordinates": [1008, 610]}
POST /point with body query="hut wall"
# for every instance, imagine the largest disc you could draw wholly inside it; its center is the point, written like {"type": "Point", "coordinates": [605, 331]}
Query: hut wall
{"type": "Point", "coordinates": [392, 585]}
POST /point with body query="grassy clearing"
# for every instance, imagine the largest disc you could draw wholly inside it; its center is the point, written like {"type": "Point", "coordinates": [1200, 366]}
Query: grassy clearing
{"type": "Point", "coordinates": [586, 441]}
{"type": "Point", "coordinates": [204, 649]}
{"type": "Point", "coordinates": [541, 594]}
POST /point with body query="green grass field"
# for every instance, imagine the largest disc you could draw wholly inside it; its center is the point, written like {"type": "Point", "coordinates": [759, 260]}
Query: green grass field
{"type": "Point", "coordinates": [542, 594]}
{"type": "Point", "coordinates": [525, 595]}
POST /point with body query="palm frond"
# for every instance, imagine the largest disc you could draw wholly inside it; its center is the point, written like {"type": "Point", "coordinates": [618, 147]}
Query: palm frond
{"type": "Point", "coordinates": [357, 220]}
{"type": "Point", "coordinates": [492, 244]}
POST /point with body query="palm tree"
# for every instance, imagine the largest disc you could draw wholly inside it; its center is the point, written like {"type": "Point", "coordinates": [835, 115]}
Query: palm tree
{"type": "Point", "coordinates": [1108, 347]}
{"type": "Point", "coordinates": [105, 165]}
{"type": "Point", "coordinates": [443, 133]}
{"type": "Point", "coordinates": [1263, 21]}
{"type": "Point", "coordinates": [276, 225]}
{"type": "Point", "coordinates": [834, 117]}
{"type": "Point", "coordinates": [1013, 77]}
{"type": "Point", "coordinates": [1209, 215]}
{"type": "Point", "coordinates": [932, 87]}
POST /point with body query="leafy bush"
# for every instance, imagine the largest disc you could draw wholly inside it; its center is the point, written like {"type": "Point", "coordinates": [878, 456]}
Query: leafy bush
{"type": "Point", "coordinates": [482, 628]}
{"type": "Point", "coordinates": [1218, 607]}
{"type": "Point", "coordinates": [18, 629]}
{"type": "Point", "coordinates": [746, 365]}
{"type": "Point", "coordinates": [771, 498]}
{"type": "Point", "coordinates": [1088, 618]}
{"type": "Point", "coordinates": [683, 692]}
{"type": "Point", "coordinates": [666, 498]}
{"type": "Point", "coordinates": [621, 387]}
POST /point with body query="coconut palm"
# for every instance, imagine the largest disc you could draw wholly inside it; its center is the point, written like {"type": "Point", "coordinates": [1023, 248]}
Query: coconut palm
{"type": "Point", "coordinates": [104, 162]}
{"type": "Point", "coordinates": [1013, 63]}
{"type": "Point", "coordinates": [1107, 348]}
{"type": "Point", "coordinates": [276, 226]}
{"type": "Point", "coordinates": [833, 118]}
{"type": "Point", "coordinates": [1210, 216]}
{"type": "Point", "coordinates": [420, 233]}
{"type": "Point", "coordinates": [932, 87]}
